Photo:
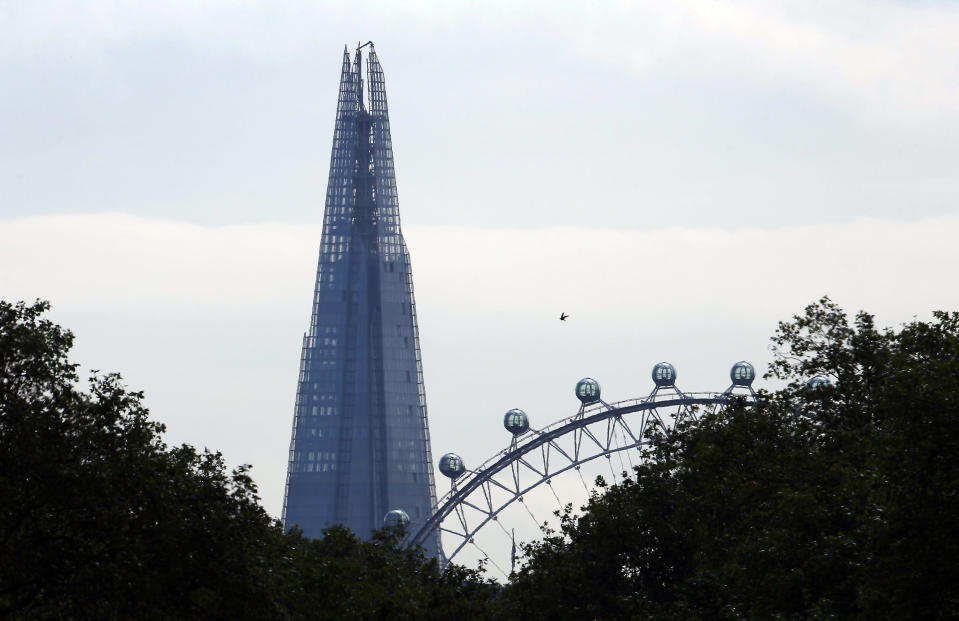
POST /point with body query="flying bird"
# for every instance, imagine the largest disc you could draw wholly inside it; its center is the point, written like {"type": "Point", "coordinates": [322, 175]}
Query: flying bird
{"type": "Point", "coordinates": [563, 316]}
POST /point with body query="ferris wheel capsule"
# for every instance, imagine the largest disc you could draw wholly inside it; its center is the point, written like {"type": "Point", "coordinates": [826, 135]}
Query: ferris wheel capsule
{"type": "Point", "coordinates": [397, 518]}
{"type": "Point", "coordinates": [664, 374]}
{"type": "Point", "coordinates": [742, 374]}
{"type": "Point", "coordinates": [516, 422]}
{"type": "Point", "coordinates": [451, 465]}
{"type": "Point", "coordinates": [587, 390]}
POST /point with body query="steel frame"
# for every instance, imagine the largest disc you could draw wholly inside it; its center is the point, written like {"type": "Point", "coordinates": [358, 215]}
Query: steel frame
{"type": "Point", "coordinates": [600, 429]}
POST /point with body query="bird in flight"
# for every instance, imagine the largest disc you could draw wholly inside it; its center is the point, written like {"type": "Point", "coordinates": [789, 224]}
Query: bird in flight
{"type": "Point", "coordinates": [563, 316]}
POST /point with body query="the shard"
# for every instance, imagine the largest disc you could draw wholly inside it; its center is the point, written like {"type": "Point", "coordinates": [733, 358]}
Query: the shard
{"type": "Point", "coordinates": [360, 445]}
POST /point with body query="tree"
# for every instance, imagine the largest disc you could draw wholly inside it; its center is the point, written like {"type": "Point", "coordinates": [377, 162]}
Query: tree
{"type": "Point", "coordinates": [891, 418]}
{"type": "Point", "coordinates": [343, 577]}
{"type": "Point", "coordinates": [816, 502]}
{"type": "Point", "coordinates": [100, 519]}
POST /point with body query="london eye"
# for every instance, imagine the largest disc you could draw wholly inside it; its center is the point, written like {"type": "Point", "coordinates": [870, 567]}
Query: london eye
{"type": "Point", "coordinates": [525, 486]}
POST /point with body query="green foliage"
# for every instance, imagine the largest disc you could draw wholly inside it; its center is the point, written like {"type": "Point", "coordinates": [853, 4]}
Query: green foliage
{"type": "Point", "coordinates": [837, 502]}
{"type": "Point", "coordinates": [345, 578]}
{"type": "Point", "coordinates": [100, 519]}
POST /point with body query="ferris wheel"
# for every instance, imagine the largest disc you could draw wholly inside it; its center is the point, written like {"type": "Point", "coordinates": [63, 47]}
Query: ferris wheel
{"type": "Point", "coordinates": [540, 472]}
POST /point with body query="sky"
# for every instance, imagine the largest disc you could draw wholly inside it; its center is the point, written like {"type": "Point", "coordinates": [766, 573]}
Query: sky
{"type": "Point", "coordinates": [677, 177]}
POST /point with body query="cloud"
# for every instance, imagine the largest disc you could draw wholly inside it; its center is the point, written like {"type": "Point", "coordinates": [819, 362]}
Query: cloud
{"type": "Point", "coordinates": [108, 259]}
{"type": "Point", "coordinates": [115, 259]}
{"type": "Point", "coordinates": [885, 60]}
{"type": "Point", "coordinates": [756, 271]}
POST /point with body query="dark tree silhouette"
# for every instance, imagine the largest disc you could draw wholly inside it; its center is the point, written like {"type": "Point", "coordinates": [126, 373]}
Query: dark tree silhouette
{"type": "Point", "coordinates": [831, 500]}
{"type": "Point", "coordinates": [100, 519]}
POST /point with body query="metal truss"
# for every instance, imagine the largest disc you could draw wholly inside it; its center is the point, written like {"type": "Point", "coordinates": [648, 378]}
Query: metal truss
{"type": "Point", "coordinates": [536, 457]}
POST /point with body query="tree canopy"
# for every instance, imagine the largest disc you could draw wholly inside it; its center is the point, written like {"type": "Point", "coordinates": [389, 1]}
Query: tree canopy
{"type": "Point", "coordinates": [100, 519]}
{"type": "Point", "coordinates": [823, 500]}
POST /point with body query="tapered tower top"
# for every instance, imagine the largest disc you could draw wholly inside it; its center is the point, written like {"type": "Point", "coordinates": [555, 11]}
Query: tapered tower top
{"type": "Point", "coordinates": [360, 447]}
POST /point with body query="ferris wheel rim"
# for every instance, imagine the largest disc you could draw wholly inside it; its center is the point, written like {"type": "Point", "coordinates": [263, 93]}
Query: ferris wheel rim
{"type": "Point", "coordinates": [535, 439]}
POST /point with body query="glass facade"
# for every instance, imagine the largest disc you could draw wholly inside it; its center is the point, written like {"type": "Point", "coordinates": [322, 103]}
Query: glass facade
{"type": "Point", "coordinates": [360, 445]}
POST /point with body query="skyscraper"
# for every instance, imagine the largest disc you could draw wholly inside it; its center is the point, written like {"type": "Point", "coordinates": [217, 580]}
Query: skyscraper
{"type": "Point", "coordinates": [360, 445]}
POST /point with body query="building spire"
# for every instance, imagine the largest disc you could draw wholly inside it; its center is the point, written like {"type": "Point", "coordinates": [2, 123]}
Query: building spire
{"type": "Point", "coordinates": [358, 78]}
{"type": "Point", "coordinates": [360, 445]}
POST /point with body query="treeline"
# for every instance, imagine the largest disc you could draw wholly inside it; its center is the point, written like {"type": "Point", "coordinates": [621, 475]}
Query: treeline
{"type": "Point", "coordinates": [99, 519]}
{"type": "Point", "coordinates": [825, 501]}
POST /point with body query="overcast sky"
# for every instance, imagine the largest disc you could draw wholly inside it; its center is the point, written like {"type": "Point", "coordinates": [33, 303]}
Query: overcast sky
{"type": "Point", "coordinates": [677, 177]}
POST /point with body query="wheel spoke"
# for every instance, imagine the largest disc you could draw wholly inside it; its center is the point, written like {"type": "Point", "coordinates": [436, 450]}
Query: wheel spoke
{"type": "Point", "coordinates": [481, 495]}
